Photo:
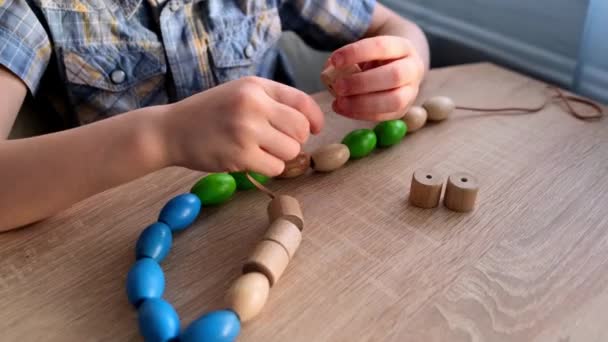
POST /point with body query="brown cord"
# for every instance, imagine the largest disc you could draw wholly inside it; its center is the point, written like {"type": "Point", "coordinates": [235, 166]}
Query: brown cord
{"type": "Point", "coordinates": [567, 99]}
{"type": "Point", "coordinates": [261, 187]}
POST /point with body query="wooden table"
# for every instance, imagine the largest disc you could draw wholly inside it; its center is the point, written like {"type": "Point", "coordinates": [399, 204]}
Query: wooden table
{"type": "Point", "coordinates": [531, 263]}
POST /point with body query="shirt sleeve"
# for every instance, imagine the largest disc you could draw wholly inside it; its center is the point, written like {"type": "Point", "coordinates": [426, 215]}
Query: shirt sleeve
{"type": "Point", "coordinates": [25, 49]}
{"type": "Point", "coordinates": [327, 24]}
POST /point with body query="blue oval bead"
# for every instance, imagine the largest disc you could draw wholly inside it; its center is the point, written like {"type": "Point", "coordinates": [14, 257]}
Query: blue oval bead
{"type": "Point", "coordinates": [154, 242]}
{"type": "Point", "coordinates": [215, 326]}
{"type": "Point", "coordinates": [158, 320]}
{"type": "Point", "coordinates": [145, 280]}
{"type": "Point", "coordinates": [181, 211]}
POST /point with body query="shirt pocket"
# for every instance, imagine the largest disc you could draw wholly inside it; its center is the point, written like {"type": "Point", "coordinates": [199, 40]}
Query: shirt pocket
{"type": "Point", "coordinates": [240, 43]}
{"type": "Point", "coordinates": [105, 80]}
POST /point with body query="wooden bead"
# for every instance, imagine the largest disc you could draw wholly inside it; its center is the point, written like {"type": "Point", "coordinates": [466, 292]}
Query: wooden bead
{"type": "Point", "coordinates": [247, 295]}
{"type": "Point", "coordinates": [415, 118]}
{"type": "Point", "coordinates": [286, 234]}
{"type": "Point", "coordinates": [331, 74]}
{"type": "Point", "coordinates": [438, 108]}
{"type": "Point", "coordinates": [297, 166]}
{"type": "Point", "coordinates": [330, 157]}
{"type": "Point", "coordinates": [288, 208]}
{"type": "Point", "coordinates": [268, 258]}
{"type": "Point", "coordinates": [461, 192]}
{"type": "Point", "coordinates": [425, 191]}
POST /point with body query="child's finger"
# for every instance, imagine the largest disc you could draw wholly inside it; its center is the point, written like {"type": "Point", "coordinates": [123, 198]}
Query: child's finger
{"type": "Point", "coordinates": [371, 49]}
{"type": "Point", "coordinates": [297, 100]}
{"type": "Point", "coordinates": [290, 122]}
{"type": "Point", "coordinates": [373, 116]}
{"type": "Point", "coordinates": [279, 144]}
{"type": "Point", "coordinates": [263, 162]}
{"type": "Point", "coordinates": [389, 76]}
{"type": "Point", "coordinates": [394, 100]}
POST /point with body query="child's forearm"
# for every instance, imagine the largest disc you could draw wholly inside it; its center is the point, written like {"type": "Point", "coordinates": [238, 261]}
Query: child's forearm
{"type": "Point", "coordinates": [387, 22]}
{"type": "Point", "coordinates": [42, 175]}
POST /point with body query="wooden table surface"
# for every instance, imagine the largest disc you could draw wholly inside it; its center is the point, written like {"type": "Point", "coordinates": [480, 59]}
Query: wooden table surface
{"type": "Point", "coordinates": [531, 263]}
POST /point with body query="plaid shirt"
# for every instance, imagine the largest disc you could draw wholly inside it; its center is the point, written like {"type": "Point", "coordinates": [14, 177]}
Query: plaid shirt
{"type": "Point", "coordinates": [113, 56]}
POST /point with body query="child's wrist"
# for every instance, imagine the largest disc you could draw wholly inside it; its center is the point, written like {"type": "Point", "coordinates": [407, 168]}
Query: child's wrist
{"type": "Point", "coordinates": [153, 140]}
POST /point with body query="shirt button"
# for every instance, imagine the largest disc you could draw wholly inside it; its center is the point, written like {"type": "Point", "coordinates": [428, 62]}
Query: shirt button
{"type": "Point", "coordinates": [175, 5]}
{"type": "Point", "coordinates": [249, 50]}
{"type": "Point", "coordinates": [118, 76]}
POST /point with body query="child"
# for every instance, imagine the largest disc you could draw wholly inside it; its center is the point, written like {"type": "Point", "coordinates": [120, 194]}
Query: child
{"type": "Point", "coordinates": [191, 82]}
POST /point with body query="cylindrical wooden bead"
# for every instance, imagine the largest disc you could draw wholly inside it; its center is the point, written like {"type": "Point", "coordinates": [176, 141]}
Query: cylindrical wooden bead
{"type": "Point", "coordinates": [330, 157]}
{"type": "Point", "coordinates": [268, 258]}
{"type": "Point", "coordinates": [288, 208]}
{"type": "Point", "coordinates": [248, 294]}
{"type": "Point", "coordinates": [286, 234]}
{"type": "Point", "coordinates": [461, 192]}
{"type": "Point", "coordinates": [439, 108]}
{"type": "Point", "coordinates": [297, 166]}
{"type": "Point", "coordinates": [415, 118]}
{"type": "Point", "coordinates": [425, 191]}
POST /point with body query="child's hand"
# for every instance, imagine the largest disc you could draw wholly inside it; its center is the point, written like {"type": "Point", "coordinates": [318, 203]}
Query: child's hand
{"type": "Point", "coordinates": [389, 83]}
{"type": "Point", "coordinates": [250, 124]}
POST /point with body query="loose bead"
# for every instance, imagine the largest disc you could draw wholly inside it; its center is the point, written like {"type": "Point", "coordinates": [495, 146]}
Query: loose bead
{"type": "Point", "coordinates": [360, 142]}
{"type": "Point", "coordinates": [154, 242]}
{"type": "Point", "coordinates": [415, 118]}
{"type": "Point", "coordinates": [288, 208]}
{"type": "Point", "coordinates": [215, 326]}
{"type": "Point", "coordinates": [390, 132]}
{"type": "Point", "coordinates": [268, 258]}
{"type": "Point", "coordinates": [247, 295]}
{"type": "Point", "coordinates": [145, 280]}
{"type": "Point", "coordinates": [297, 166]}
{"type": "Point", "coordinates": [215, 188]}
{"type": "Point", "coordinates": [243, 183]}
{"type": "Point", "coordinates": [331, 74]}
{"type": "Point", "coordinates": [438, 108]}
{"type": "Point", "coordinates": [286, 234]}
{"type": "Point", "coordinates": [158, 320]}
{"type": "Point", "coordinates": [180, 212]}
{"type": "Point", "coordinates": [425, 191]}
{"type": "Point", "coordinates": [461, 192]}
{"type": "Point", "coordinates": [330, 157]}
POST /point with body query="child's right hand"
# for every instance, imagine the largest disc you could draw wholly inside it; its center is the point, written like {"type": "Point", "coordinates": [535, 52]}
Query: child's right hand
{"type": "Point", "coordinates": [251, 124]}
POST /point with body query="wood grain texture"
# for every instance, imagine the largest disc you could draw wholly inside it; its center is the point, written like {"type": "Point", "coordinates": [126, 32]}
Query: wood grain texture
{"type": "Point", "coordinates": [530, 263]}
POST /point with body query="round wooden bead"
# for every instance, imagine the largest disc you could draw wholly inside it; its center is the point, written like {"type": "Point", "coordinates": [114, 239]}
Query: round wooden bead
{"type": "Point", "coordinates": [247, 295]}
{"type": "Point", "coordinates": [390, 132]}
{"type": "Point", "coordinates": [425, 190]}
{"type": "Point", "coordinates": [268, 258]}
{"type": "Point", "coordinates": [415, 118]}
{"type": "Point", "coordinates": [288, 208]}
{"type": "Point", "coordinates": [297, 166]}
{"type": "Point", "coordinates": [461, 192]}
{"type": "Point", "coordinates": [361, 142]}
{"type": "Point", "coordinates": [286, 234]}
{"type": "Point", "coordinates": [215, 326]}
{"type": "Point", "coordinates": [181, 211]}
{"type": "Point", "coordinates": [154, 242]}
{"type": "Point", "coordinates": [215, 189]}
{"type": "Point", "coordinates": [145, 280]}
{"type": "Point", "coordinates": [438, 108]}
{"type": "Point", "coordinates": [330, 157]}
{"type": "Point", "coordinates": [158, 320]}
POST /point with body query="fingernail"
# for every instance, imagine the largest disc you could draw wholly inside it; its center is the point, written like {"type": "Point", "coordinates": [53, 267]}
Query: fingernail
{"type": "Point", "coordinates": [337, 60]}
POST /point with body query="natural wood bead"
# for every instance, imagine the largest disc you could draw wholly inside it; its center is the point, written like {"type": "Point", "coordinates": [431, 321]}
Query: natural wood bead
{"type": "Point", "coordinates": [439, 108]}
{"type": "Point", "coordinates": [286, 234]}
{"type": "Point", "coordinates": [425, 191]}
{"type": "Point", "coordinates": [268, 258]}
{"type": "Point", "coordinates": [297, 166]}
{"type": "Point", "coordinates": [288, 208]}
{"type": "Point", "coordinates": [331, 74]}
{"type": "Point", "coordinates": [247, 295]}
{"type": "Point", "coordinates": [330, 157]}
{"type": "Point", "coordinates": [461, 192]}
{"type": "Point", "coordinates": [415, 118]}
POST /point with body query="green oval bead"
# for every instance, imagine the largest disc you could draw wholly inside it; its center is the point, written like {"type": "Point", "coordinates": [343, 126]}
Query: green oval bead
{"type": "Point", "coordinates": [390, 132]}
{"type": "Point", "coordinates": [243, 183]}
{"type": "Point", "coordinates": [360, 142]}
{"type": "Point", "coordinates": [214, 189]}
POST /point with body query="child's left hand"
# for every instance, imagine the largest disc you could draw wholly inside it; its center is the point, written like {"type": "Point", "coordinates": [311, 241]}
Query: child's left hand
{"type": "Point", "coordinates": [387, 86]}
